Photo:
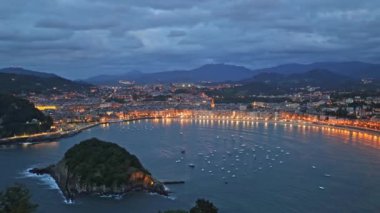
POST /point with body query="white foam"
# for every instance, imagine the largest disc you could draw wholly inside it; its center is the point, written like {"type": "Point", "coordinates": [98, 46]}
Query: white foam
{"type": "Point", "coordinates": [48, 181]}
{"type": "Point", "coordinates": [68, 201]}
{"type": "Point", "coordinates": [113, 196]}
{"type": "Point", "coordinates": [166, 188]}
{"type": "Point", "coordinates": [171, 197]}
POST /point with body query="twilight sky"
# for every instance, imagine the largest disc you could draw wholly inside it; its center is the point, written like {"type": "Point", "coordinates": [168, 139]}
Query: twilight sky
{"type": "Point", "coordinates": [81, 38]}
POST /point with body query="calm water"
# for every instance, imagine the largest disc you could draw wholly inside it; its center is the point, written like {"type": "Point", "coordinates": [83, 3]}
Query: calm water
{"type": "Point", "coordinates": [241, 167]}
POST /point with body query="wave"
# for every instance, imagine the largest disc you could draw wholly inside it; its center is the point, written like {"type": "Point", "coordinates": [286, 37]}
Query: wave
{"type": "Point", "coordinates": [48, 181]}
{"type": "Point", "coordinates": [113, 196]}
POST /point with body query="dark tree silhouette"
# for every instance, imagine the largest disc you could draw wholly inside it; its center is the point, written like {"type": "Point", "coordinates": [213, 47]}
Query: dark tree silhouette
{"type": "Point", "coordinates": [16, 199]}
{"type": "Point", "coordinates": [203, 206]}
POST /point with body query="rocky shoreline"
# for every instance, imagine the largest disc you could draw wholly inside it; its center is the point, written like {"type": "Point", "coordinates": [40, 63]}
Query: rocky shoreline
{"type": "Point", "coordinates": [71, 194]}
{"type": "Point", "coordinates": [73, 185]}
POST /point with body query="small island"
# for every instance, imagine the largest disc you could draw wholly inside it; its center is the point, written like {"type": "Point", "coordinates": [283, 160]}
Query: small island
{"type": "Point", "coordinates": [95, 167]}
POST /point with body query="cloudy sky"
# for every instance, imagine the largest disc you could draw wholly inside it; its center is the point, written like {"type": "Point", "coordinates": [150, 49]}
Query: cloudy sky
{"type": "Point", "coordinates": [81, 38]}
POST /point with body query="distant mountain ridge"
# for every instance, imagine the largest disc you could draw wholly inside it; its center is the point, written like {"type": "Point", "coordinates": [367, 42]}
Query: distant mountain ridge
{"type": "Point", "coordinates": [22, 71]}
{"type": "Point", "coordinates": [225, 72]}
{"type": "Point", "coordinates": [316, 78]}
{"type": "Point", "coordinates": [208, 72]}
{"type": "Point", "coordinates": [353, 69]}
{"type": "Point", "coordinates": [19, 80]}
{"type": "Point", "coordinates": [112, 79]}
{"type": "Point", "coordinates": [273, 83]}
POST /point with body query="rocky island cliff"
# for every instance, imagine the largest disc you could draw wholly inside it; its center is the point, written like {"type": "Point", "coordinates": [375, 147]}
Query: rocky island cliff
{"type": "Point", "coordinates": [95, 167]}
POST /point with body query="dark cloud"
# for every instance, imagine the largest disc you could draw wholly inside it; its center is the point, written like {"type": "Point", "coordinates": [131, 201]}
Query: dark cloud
{"type": "Point", "coordinates": [79, 38]}
{"type": "Point", "coordinates": [177, 33]}
{"type": "Point", "coordinates": [75, 25]}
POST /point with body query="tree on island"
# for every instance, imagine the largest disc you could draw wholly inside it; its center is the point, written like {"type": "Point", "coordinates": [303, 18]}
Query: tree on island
{"type": "Point", "coordinates": [201, 206]}
{"type": "Point", "coordinates": [204, 206]}
{"type": "Point", "coordinates": [16, 199]}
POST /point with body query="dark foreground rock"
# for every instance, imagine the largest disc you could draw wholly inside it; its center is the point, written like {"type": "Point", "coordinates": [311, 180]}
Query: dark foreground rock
{"type": "Point", "coordinates": [96, 167]}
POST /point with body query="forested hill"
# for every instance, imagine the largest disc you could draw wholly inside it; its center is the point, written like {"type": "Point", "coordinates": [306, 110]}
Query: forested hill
{"type": "Point", "coordinates": [19, 116]}
{"type": "Point", "coordinates": [18, 80]}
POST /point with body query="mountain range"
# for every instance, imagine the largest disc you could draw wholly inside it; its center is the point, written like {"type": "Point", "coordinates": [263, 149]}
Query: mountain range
{"type": "Point", "coordinates": [329, 75]}
{"type": "Point", "coordinates": [274, 83]}
{"type": "Point", "coordinates": [22, 71]}
{"type": "Point", "coordinates": [205, 73]}
{"type": "Point", "coordinates": [224, 72]}
{"type": "Point", "coordinates": [353, 69]}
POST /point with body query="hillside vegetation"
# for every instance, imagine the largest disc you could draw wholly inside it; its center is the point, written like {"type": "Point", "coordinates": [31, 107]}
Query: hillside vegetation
{"type": "Point", "coordinates": [19, 116]}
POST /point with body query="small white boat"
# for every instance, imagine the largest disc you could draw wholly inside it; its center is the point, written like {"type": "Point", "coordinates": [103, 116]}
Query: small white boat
{"type": "Point", "coordinates": [322, 187]}
{"type": "Point", "coordinates": [191, 165]}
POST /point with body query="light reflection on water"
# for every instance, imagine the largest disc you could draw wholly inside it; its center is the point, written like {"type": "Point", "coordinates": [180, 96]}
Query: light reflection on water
{"type": "Point", "coordinates": [260, 185]}
{"type": "Point", "coordinates": [346, 135]}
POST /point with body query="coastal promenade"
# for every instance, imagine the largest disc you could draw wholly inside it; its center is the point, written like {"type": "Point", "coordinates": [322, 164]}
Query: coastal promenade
{"type": "Point", "coordinates": [46, 136]}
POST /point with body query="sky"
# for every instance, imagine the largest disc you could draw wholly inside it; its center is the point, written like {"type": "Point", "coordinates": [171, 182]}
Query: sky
{"type": "Point", "coordinates": [82, 38]}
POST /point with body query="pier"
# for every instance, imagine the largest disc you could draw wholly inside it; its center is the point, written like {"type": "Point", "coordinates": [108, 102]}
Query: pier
{"type": "Point", "coordinates": [172, 182]}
